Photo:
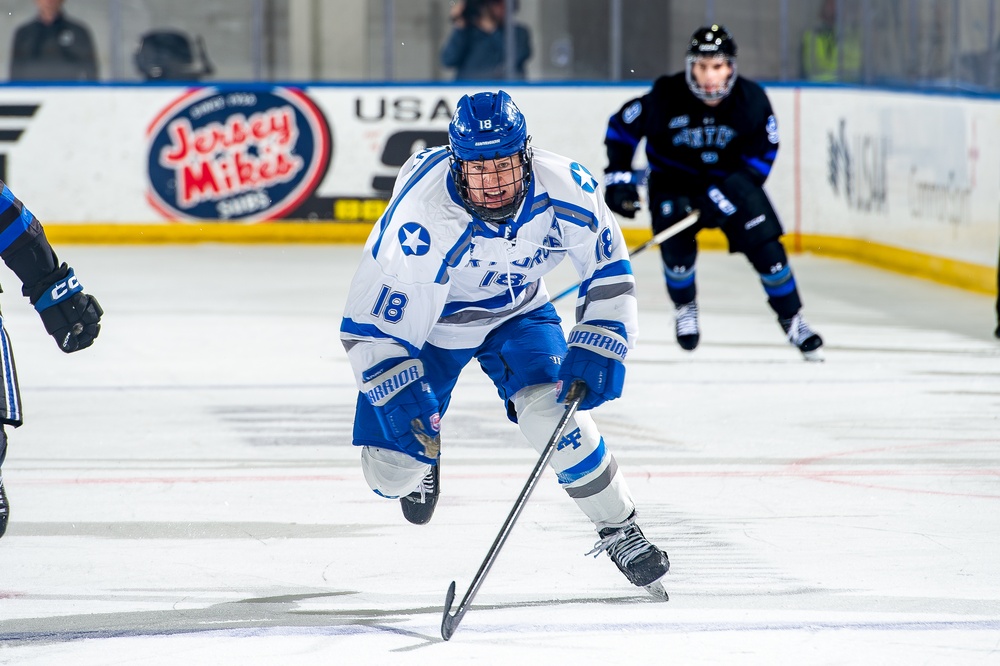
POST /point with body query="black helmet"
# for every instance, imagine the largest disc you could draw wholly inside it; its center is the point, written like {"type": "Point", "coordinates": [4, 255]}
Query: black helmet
{"type": "Point", "coordinates": [711, 41]}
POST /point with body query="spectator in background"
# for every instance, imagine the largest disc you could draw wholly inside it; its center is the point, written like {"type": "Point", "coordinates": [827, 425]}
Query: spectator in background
{"type": "Point", "coordinates": [476, 47]}
{"type": "Point", "coordinates": [53, 48]}
{"type": "Point", "coordinates": [824, 56]}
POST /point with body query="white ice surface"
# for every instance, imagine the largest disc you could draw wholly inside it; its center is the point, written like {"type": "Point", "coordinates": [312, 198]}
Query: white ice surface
{"type": "Point", "coordinates": [185, 491]}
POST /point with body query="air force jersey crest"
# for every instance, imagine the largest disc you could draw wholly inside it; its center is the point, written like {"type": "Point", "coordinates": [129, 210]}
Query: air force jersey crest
{"type": "Point", "coordinates": [476, 277]}
{"type": "Point", "coordinates": [414, 239]}
{"type": "Point", "coordinates": [583, 177]}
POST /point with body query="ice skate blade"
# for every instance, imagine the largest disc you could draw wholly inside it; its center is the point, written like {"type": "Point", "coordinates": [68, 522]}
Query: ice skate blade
{"type": "Point", "coordinates": [655, 590]}
{"type": "Point", "coordinates": [814, 356]}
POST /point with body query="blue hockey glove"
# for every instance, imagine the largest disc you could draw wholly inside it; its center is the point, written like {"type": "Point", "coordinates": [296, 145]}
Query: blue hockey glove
{"type": "Point", "coordinates": [621, 193]}
{"type": "Point", "coordinates": [70, 316]}
{"type": "Point", "coordinates": [597, 356]}
{"type": "Point", "coordinates": [406, 407]}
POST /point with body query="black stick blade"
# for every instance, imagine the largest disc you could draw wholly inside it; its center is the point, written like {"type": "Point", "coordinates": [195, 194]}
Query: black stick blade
{"type": "Point", "coordinates": [449, 623]}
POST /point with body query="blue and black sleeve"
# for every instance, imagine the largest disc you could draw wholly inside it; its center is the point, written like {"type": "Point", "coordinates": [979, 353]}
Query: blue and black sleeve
{"type": "Point", "coordinates": [625, 131]}
{"type": "Point", "coordinates": [23, 245]}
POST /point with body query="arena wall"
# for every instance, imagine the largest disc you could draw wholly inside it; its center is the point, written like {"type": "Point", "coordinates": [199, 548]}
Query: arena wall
{"type": "Point", "coordinates": [902, 180]}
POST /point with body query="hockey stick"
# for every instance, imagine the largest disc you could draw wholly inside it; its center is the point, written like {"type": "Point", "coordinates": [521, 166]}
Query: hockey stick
{"type": "Point", "coordinates": [450, 622]}
{"type": "Point", "coordinates": [669, 232]}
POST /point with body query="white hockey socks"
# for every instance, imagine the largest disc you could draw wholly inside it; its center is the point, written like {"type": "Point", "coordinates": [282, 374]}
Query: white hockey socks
{"type": "Point", "coordinates": [585, 468]}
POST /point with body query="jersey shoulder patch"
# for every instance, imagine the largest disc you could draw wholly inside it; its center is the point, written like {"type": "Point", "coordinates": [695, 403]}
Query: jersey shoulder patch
{"type": "Point", "coordinates": [564, 179]}
{"type": "Point", "coordinates": [631, 112]}
{"type": "Point", "coordinates": [772, 129]}
{"type": "Point", "coordinates": [583, 177]}
{"type": "Point", "coordinates": [414, 239]}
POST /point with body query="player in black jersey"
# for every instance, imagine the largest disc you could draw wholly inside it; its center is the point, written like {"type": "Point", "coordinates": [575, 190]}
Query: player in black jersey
{"type": "Point", "coordinates": [711, 139]}
{"type": "Point", "coordinates": [69, 315]}
{"type": "Point", "coordinates": [997, 331]}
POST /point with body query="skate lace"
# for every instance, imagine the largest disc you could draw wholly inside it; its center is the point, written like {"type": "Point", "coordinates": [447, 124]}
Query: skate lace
{"type": "Point", "coordinates": [687, 319]}
{"type": "Point", "coordinates": [3, 499]}
{"type": "Point", "coordinates": [425, 488]}
{"type": "Point", "coordinates": [622, 545]}
{"type": "Point", "coordinates": [797, 330]}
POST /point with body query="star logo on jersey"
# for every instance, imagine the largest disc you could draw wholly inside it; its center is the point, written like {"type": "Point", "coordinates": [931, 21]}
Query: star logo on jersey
{"type": "Point", "coordinates": [414, 239]}
{"type": "Point", "coordinates": [583, 177]}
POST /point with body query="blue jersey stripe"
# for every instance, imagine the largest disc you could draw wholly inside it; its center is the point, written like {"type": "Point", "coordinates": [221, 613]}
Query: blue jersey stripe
{"type": "Point", "coordinates": [351, 327]}
{"type": "Point", "coordinates": [18, 226]}
{"type": "Point", "coordinates": [621, 267]}
{"type": "Point", "coordinates": [574, 214]}
{"type": "Point", "coordinates": [761, 166]}
{"type": "Point", "coordinates": [617, 131]}
{"type": "Point", "coordinates": [492, 303]}
{"type": "Point", "coordinates": [454, 255]}
{"type": "Point", "coordinates": [658, 162]}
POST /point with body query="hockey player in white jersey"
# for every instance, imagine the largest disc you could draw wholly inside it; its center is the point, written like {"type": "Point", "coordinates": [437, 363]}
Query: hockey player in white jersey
{"type": "Point", "coordinates": [453, 272]}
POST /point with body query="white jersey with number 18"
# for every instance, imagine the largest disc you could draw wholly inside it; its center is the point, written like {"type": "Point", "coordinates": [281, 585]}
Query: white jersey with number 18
{"type": "Point", "coordinates": [432, 272]}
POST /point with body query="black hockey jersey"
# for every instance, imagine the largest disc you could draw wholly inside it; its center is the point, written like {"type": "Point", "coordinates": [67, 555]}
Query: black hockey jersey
{"type": "Point", "coordinates": [690, 145]}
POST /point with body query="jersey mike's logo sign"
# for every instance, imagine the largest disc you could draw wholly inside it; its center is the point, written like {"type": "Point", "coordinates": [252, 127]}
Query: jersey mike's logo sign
{"type": "Point", "coordinates": [236, 154]}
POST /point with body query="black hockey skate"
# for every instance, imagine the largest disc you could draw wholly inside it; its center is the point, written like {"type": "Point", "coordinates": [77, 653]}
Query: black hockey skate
{"type": "Point", "coordinates": [686, 324]}
{"type": "Point", "coordinates": [418, 506]}
{"type": "Point", "coordinates": [4, 508]}
{"type": "Point", "coordinates": [642, 563]}
{"type": "Point", "coordinates": [799, 334]}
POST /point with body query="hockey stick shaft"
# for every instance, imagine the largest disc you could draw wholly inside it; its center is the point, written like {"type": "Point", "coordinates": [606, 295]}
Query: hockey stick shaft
{"type": "Point", "coordinates": [450, 622]}
{"type": "Point", "coordinates": [669, 232]}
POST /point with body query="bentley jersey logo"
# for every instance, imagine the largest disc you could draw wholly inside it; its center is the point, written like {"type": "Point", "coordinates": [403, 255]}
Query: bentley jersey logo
{"type": "Point", "coordinates": [414, 239]}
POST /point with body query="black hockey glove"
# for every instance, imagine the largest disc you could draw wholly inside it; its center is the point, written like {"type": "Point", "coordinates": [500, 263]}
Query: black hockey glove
{"type": "Point", "coordinates": [72, 317]}
{"type": "Point", "coordinates": [621, 193]}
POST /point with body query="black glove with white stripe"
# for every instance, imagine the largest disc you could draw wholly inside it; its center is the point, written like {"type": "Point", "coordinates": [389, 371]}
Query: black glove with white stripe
{"type": "Point", "coordinates": [70, 316]}
{"type": "Point", "coordinates": [621, 193]}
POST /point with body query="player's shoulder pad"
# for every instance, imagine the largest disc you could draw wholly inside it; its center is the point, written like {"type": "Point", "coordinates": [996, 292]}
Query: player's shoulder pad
{"type": "Point", "coordinates": [666, 90]}
{"type": "Point", "coordinates": [421, 161]}
{"type": "Point", "coordinates": [421, 226]}
{"type": "Point", "coordinates": [564, 178]}
{"type": "Point", "coordinates": [668, 83]}
{"type": "Point", "coordinates": [749, 88]}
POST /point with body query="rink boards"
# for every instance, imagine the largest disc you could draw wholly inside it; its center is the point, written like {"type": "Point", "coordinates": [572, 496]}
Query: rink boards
{"type": "Point", "coordinates": [900, 179]}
